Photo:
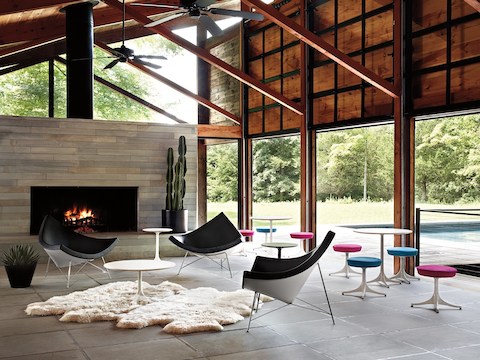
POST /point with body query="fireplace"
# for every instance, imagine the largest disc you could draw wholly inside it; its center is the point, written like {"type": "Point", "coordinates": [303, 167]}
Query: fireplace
{"type": "Point", "coordinates": [85, 209]}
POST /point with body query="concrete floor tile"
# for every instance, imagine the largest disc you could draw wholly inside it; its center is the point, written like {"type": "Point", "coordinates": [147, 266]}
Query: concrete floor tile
{"type": "Point", "coordinates": [462, 353]}
{"type": "Point", "coordinates": [364, 347]}
{"type": "Point", "coordinates": [165, 349]}
{"type": "Point", "coordinates": [39, 343]}
{"type": "Point", "coordinates": [436, 338]}
{"type": "Point", "coordinates": [277, 353]}
{"type": "Point", "coordinates": [106, 333]}
{"type": "Point", "coordinates": [60, 355]}
{"type": "Point", "coordinates": [230, 342]}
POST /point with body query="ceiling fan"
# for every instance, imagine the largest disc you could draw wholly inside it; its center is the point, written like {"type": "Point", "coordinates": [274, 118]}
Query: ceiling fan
{"type": "Point", "coordinates": [123, 53]}
{"type": "Point", "coordinates": [199, 9]}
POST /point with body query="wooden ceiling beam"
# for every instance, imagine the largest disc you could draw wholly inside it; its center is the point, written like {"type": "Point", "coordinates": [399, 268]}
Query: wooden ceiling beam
{"type": "Point", "coordinates": [54, 47]}
{"type": "Point", "coordinates": [34, 52]}
{"type": "Point", "coordinates": [208, 131]}
{"type": "Point", "coordinates": [229, 34]}
{"type": "Point", "coordinates": [474, 3]}
{"type": "Point", "coordinates": [212, 60]}
{"type": "Point", "coordinates": [325, 48]}
{"type": "Point", "coordinates": [54, 26]}
{"type": "Point", "coordinates": [175, 86]}
{"type": "Point", "coordinates": [16, 6]}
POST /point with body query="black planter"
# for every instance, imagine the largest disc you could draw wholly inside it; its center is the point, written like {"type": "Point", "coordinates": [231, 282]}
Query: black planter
{"type": "Point", "coordinates": [177, 220]}
{"type": "Point", "coordinates": [20, 276]}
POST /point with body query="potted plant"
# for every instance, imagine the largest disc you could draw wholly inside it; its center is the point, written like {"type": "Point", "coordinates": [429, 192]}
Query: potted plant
{"type": "Point", "coordinates": [174, 216]}
{"type": "Point", "coordinates": [20, 262]}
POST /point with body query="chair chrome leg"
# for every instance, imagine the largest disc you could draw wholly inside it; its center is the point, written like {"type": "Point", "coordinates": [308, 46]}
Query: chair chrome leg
{"type": "Point", "coordinates": [68, 276]}
{"type": "Point", "coordinates": [326, 295]}
{"type": "Point", "coordinates": [228, 263]}
{"type": "Point", "coordinates": [363, 288]}
{"type": "Point", "coordinates": [256, 299]}
{"type": "Point", "coordinates": [48, 265]}
{"type": "Point", "coordinates": [108, 272]}
{"type": "Point", "coordinates": [183, 261]}
{"type": "Point", "coordinates": [436, 299]}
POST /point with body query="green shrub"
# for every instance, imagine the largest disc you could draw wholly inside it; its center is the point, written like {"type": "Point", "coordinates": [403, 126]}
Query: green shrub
{"type": "Point", "coordinates": [20, 254]}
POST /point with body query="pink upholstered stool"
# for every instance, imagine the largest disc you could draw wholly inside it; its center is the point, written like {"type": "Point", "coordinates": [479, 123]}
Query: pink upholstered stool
{"type": "Point", "coordinates": [246, 233]}
{"type": "Point", "coordinates": [347, 249]}
{"type": "Point", "coordinates": [436, 271]}
{"type": "Point", "coordinates": [303, 235]}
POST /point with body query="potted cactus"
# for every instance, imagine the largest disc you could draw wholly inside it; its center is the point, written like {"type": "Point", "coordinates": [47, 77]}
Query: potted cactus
{"type": "Point", "coordinates": [20, 262]}
{"type": "Point", "coordinates": [174, 216]}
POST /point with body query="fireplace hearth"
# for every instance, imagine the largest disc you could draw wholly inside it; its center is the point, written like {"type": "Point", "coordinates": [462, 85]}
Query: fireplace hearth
{"type": "Point", "coordinates": [85, 209]}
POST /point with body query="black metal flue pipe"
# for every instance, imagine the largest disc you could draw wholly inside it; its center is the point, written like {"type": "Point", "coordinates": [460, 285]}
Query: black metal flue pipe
{"type": "Point", "coordinates": [79, 40]}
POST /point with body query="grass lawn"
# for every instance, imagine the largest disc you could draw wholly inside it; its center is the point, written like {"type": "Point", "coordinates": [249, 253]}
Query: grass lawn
{"type": "Point", "coordinates": [330, 212]}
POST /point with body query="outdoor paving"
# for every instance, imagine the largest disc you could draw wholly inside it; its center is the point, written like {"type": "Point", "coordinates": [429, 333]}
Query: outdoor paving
{"type": "Point", "coordinates": [374, 328]}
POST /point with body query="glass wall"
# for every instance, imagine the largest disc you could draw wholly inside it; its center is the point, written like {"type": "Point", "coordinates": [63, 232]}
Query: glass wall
{"type": "Point", "coordinates": [276, 182]}
{"type": "Point", "coordinates": [355, 176]}
{"type": "Point", "coordinates": [447, 189]}
{"type": "Point", "coordinates": [222, 180]}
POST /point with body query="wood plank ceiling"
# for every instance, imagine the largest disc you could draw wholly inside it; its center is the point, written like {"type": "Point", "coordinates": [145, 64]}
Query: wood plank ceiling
{"type": "Point", "coordinates": [34, 31]}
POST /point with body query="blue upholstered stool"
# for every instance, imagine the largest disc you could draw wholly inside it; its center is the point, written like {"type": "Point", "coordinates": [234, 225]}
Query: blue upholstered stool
{"type": "Point", "coordinates": [266, 231]}
{"type": "Point", "coordinates": [363, 262]}
{"type": "Point", "coordinates": [402, 253]}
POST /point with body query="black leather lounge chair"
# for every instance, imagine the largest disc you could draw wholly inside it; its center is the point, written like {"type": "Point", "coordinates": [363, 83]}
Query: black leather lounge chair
{"type": "Point", "coordinates": [68, 248]}
{"type": "Point", "coordinates": [215, 239]}
{"type": "Point", "coordinates": [283, 278]}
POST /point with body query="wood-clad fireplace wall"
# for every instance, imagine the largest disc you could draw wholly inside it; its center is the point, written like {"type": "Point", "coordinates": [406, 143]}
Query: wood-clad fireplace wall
{"type": "Point", "coordinates": [78, 152]}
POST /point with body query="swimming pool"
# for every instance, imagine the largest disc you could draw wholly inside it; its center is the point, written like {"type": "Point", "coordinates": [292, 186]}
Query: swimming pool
{"type": "Point", "coordinates": [466, 231]}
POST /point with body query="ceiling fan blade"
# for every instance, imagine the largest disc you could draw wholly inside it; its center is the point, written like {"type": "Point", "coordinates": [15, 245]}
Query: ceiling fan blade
{"type": "Point", "coordinates": [166, 18]}
{"type": "Point", "coordinates": [157, 5]}
{"type": "Point", "coordinates": [204, 3]}
{"type": "Point", "coordinates": [237, 13]}
{"type": "Point", "coordinates": [112, 64]}
{"type": "Point", "coordinates": [159, 57]}
{"type": "Point", "coordinates": [146, 63]}
{"type": "Point", "coordinates": [210, 25]}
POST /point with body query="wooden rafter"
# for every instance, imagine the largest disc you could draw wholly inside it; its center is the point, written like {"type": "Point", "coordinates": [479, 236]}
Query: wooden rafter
{"type": "Point", "coordinates": [325, 48]}
{"type": "Point", "coordinates": [175, 86]}
{"type": "Point", "coordinates": [53, 26]}
{"type": "Point", "coordinates": [474, 3]}
{"type": "Point", "coordinates": [15, 6]}
{"type": "Point", "coordinates": [212, 60]}
{"type": "Point", "coordinates": [219, 131]}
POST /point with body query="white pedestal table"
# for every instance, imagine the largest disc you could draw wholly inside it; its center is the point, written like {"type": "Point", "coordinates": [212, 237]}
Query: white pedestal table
{"type": "Point", "coordinates": [382, 278]}
{"type": "Point", "coordinates": [157, 232]}
{"type": "Point", "coordinates": [139, 266]}
{"type": "Point", "coordinates": [271, 219]}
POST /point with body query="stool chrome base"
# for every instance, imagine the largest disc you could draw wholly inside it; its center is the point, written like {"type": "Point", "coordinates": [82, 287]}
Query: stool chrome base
{"type": "Point", "coordinates": [346, 270]}
{"type": "Point", "coordinates": [363, 288]}
{"type": "Point", "coordinates": [402, 275]}
{"type": "Point", "coordinates": [436, 299]}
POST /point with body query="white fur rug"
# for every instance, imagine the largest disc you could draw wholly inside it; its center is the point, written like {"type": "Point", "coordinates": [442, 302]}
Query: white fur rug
{"type": "Point", "coordinates": [178, 309]}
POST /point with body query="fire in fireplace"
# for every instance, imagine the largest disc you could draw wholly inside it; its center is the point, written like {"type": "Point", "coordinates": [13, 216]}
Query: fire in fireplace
{"type": "Point", "coordinates": [85, 209]}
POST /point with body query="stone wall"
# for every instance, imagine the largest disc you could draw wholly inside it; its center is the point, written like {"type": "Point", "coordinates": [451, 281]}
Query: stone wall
{"type": "Point", "coordinates": [78, 152]}
{"type": "Point", "coordinates": [224, 89]}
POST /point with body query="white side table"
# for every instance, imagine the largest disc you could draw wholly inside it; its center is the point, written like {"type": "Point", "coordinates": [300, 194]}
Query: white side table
{"type": "Point", "coordinates": [271, 219]}
{"type": "Point", "coordinates": [139, 266]}
{"type": "Point", "coordinates": [157, 232]}
{"type": "Point", "coordinates": [382, 278]}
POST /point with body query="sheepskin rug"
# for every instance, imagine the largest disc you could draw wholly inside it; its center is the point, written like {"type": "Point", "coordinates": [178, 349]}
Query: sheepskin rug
{"type": "Point", "coordinates": [177, 309]}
